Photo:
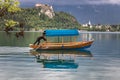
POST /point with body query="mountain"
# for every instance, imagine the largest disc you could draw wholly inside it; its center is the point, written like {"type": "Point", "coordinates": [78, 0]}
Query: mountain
{"type": "Point", "coordinates": [97, 14]}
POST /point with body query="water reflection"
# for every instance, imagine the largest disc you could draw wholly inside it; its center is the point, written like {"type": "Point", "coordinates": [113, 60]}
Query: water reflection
{"type": "Point", "coordinates": [59, 59]}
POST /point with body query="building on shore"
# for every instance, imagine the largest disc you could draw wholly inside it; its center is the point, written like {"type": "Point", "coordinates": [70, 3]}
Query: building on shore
{"type": "Point", "coordinates": [88, 24]}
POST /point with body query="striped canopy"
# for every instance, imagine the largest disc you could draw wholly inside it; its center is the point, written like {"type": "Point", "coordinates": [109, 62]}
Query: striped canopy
{"type": "Point", "coordinates": [64, 32]}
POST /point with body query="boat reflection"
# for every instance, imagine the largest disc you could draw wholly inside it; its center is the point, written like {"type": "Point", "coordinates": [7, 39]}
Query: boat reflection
{"type": "Point", "coordinates": [59, 59]}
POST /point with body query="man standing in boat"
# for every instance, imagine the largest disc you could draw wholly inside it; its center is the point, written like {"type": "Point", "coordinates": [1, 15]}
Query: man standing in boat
{"type": "Point", "coordinates": [40, 38]}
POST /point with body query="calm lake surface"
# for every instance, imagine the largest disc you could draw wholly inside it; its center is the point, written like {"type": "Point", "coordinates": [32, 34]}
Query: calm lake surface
{"type": "Point", "coordinates": [100, 62]}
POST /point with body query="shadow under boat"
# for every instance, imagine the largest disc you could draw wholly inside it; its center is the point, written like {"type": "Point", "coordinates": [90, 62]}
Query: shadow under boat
{"type": "Point", "coordinates": [59, 59]}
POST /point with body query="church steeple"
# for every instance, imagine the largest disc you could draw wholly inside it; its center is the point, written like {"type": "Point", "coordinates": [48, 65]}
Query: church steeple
{"type": "Point", "coordinates": [89, 22]}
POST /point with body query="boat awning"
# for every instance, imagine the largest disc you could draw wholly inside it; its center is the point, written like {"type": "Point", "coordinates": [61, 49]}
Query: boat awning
{"type": "Point", "coordinates": [65, 32]}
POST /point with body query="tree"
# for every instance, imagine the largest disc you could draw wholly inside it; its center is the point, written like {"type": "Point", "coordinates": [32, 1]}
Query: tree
{"type": "Point", "coordinates": [7, 9]}
{"type": "Point", "coordinates": [9, 24]}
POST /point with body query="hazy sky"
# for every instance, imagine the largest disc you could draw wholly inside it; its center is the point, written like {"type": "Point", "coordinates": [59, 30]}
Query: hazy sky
{"type": "Point", "coordinates": [97, 11]}
{"type": "Point", "coordinates": [73, 2]}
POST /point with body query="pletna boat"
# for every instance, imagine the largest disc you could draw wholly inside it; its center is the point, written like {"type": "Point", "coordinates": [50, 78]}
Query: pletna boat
{"type": "Point", "coordinates": [62, 44]}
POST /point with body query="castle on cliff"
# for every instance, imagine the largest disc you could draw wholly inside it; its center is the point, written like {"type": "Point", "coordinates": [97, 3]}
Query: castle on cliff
{"type": "Point", "coordinates": [45, 9]}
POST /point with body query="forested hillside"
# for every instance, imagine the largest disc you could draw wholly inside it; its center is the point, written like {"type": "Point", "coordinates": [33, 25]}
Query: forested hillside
{"type": "Point", "coordinates": [31, 20]}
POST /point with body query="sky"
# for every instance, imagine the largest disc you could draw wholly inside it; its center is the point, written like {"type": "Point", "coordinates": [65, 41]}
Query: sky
{"type": "Point", "coordinates": [97, 11]}
{"type": "Point", "coordinates": [73, 2]}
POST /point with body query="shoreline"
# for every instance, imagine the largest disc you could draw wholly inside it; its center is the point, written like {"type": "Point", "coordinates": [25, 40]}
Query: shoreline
{"type": "Point", "coordinates": [97, 32]}
{"type": "Point", "coordinates": [78, 31]}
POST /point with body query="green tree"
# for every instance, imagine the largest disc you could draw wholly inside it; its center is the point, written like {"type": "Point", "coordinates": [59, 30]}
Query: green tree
{"type": "Point", "coordinates": [7, 9]}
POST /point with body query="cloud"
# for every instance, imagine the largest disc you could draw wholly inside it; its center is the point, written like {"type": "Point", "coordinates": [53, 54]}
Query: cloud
{"type": "Point", "coordinates": [98, 2]}
{"type": "Point", "coordinates": [73, 2]}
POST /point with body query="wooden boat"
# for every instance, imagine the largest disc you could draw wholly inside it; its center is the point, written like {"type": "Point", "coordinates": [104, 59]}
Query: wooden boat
{"type": "Point", "coordinates": [62, 45]}
{"type": "Point", "coordinates": [68, 45]}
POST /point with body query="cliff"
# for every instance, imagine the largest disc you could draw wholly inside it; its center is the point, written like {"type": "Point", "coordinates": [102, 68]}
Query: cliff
{"type": "Point", "coordinates": [45, 9]}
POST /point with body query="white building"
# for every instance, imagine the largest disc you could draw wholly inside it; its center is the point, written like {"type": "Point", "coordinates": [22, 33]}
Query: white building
{"type": "Point", "coordinates": [88, 24]}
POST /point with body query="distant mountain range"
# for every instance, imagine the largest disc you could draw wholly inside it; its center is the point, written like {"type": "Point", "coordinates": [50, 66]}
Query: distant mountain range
{"type": "Point", "coordinates": [97, 14]}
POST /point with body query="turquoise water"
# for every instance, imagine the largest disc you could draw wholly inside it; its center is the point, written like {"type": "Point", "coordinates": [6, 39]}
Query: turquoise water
{"type": "Point", "coordinates": [100, 62]}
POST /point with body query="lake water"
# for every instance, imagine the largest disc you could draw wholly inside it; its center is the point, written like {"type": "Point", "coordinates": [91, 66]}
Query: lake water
{"type": "Point", "coordinates": [100, 62]}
